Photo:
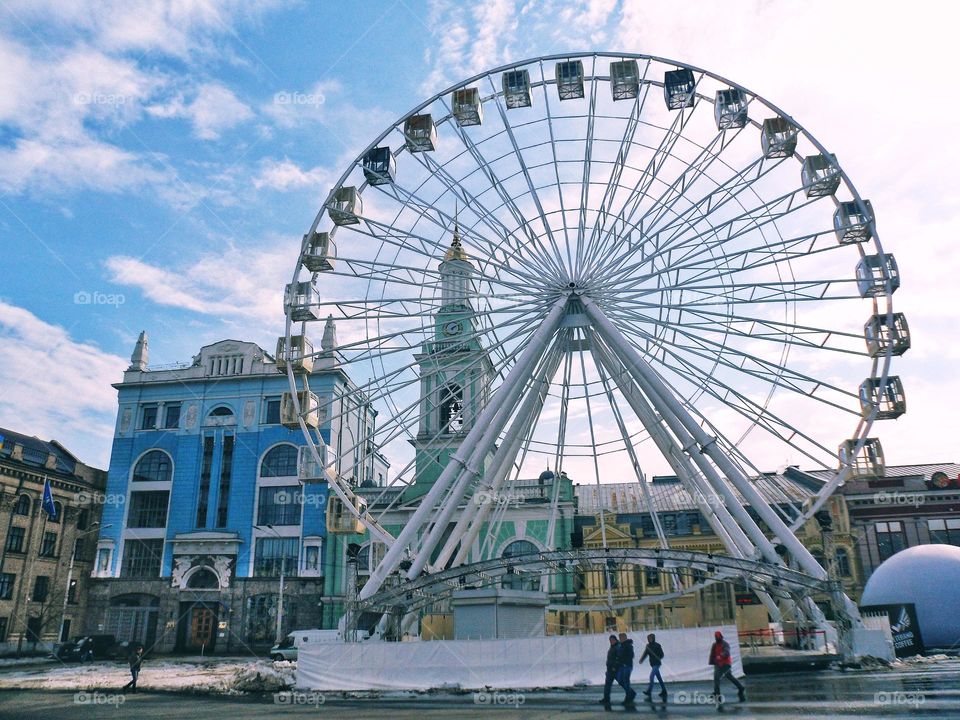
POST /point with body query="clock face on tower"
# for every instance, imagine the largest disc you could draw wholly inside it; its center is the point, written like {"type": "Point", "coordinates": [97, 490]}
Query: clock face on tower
{"type": "Point", "coordinates": [452, 328]}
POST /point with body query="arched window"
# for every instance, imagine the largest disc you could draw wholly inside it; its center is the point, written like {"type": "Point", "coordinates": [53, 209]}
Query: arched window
{"type": "Point", "coordinates": [515, 579]}
{"type": "Point", "coordinates": [23, 505]}
{"type": "Point", "coordinates": [451, 408]}
{"type": "Point", "coordinates": [203, 579]}
{"type": "Point", "coordinates": [222, 411]}
{"type": "Point", "coordinates": [280, 461]}
{"type": "Point", "coordinates": [843, 562]}
{"type": "Point", "coordinates": [152, 467]}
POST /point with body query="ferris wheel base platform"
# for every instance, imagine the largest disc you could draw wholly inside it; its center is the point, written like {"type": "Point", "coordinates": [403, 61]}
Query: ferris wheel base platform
{"type": "Point", "coordinates": [557, 661]}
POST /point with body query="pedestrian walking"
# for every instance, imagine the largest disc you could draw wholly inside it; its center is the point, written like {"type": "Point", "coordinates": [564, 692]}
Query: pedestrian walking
{"type": "Point", "coordinates": [613, 665]}
{"type": "Point", "coordinates": [136, 661]}
{"type": "Point", "coordinates": [721, 661]}
{"type": "Point", "coordinates": [625, 656]}
{"type": "Point", "coordinates": [654, 652]}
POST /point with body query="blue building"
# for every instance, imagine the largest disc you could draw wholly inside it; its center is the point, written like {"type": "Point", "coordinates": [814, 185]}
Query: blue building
{"type": "Point", "coordinates": [203, 511]}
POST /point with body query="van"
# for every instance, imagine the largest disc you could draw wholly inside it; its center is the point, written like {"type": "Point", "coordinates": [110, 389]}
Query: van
{"type": "Point", "coordinates": [288, 647]}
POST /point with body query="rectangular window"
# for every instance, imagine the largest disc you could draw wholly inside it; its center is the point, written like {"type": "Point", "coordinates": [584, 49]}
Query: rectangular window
{"type": "Point", "coordinates": [72, 592]}
{"type": "Point", "coordinates": [6, 585]}
{"type": "Point", "coordinates": [41, 588]}
{"type": "Point", "coordinates": [226, 471]}
{"type": "Point", "coordinates": [279, 505]}
{"type": "Point", "coordinates": [890, 538]}
{"type": "Point", "coordinates": [945, 532]}
{"type": "Point", "coordinates": [271, 411]}
{"type": "Point", "coordinates": [274, 554]}
{"type": "Point", "coordinates": [149, 418]}
{"type": "Point", "coordinates": [79, 550]}
{"type": "Point", "coordinates": [171, 418]}
{"type": "Point", "coordinates": [141, 558]}
{"type": "Point", "coordinates": [148, 509]}
{"type": "Point", "coordinates": [48, 546]}
{"type": "Point", "coordinates": [203, 497]}
{"type": "Point", "coordinates": [651, 577]}
{"type": "Point", "coordinates": [15, 540]}
{"type": "Point", "coordinates": [3, 629]}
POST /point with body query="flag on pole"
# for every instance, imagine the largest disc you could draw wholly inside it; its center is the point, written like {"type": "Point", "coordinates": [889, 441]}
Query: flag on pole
{"type": "Point", "coordinates": [48, 500]}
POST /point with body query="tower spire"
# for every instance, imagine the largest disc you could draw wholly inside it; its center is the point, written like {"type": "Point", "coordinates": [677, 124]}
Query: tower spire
{"type": "Point", "coordinates": [456, 251]}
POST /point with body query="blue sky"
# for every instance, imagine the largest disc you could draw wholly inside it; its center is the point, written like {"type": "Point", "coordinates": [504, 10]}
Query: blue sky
{"type": "Point", "coordinates": [160, 161]}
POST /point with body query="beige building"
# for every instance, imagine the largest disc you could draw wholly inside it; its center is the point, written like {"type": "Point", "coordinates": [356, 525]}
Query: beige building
{"type": "Point", "coordinates": [42, 599]}
{"type": "Point", "coordinates": [625, 524]}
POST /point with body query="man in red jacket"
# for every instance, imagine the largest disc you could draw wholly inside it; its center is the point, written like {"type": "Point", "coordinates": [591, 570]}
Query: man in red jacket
{"type": "Point", "coordinates": [721, 661]}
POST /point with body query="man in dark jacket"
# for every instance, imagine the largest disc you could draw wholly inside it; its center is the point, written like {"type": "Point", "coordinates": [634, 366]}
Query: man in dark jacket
{"type": "Point", "coordinates": [613, 665]}
{"type": "Point", "coordinates": [655, 653]}
{"type": "Point", "coordinates": [721, 661]}
{"type": "Point", "coordinates": [136, 660]}
{"type": "Point", "coordinates": [625, 657]}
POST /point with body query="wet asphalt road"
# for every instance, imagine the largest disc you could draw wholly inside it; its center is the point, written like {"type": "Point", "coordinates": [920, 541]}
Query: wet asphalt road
{"type": "Point", "coordinates": [926, 691]}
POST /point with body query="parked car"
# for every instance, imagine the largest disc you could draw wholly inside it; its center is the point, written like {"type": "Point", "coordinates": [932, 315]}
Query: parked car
{"type": "Point", "coordinates": [84, 648]}
{"type": "Point", "coordinates": [286, 650]}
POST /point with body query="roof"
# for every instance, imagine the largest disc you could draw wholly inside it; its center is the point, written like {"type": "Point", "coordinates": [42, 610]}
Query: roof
{"type": "Point", "coordinates": [35, 451]}
{"type": "Point", "coordinates": [669, 495]}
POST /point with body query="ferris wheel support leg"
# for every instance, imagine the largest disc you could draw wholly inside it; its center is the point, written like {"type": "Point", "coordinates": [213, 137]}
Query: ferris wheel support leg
{"type": "Point", "coordinates": [471, 520]}
{"type": "Point", "coordinates": [501, 405]}
{"type": "Point", "coordinates": [717, 516]}
{"type": "Point", "coordinates": [512, 384]}
{"type": "Point", "coordinates": [708, 445]}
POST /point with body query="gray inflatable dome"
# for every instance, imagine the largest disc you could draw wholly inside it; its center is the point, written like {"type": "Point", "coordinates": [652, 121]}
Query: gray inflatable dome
{"type": "Point", "coordinates": [929, 577]}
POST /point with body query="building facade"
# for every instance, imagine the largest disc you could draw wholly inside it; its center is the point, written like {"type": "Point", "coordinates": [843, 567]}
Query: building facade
{"type": "Point", "coordinates": [45, 560]}
{"type": "Point", "coordinates": [204, 511]}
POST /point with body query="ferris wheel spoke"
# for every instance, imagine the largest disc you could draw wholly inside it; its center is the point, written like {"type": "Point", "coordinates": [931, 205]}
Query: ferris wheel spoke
{"type": "Point", "coordinates": [650, 174]}
{"type": "Point", "coordinates": [497, 186]}
{"type": "Point", "coordinates": [534, 195]}
{"type": "Point", "coordinates": [594, 247]}
{"type": "Point", "coordinates": [768, 372]}
{"type": "Point", "coordinates": [749, 409]}
{"type": "Point", "coordinates": [543, 258]}
{"type": "Point", "coordinates": [674, 192]}
{"type": "Point", "coordinates": [442, 220]}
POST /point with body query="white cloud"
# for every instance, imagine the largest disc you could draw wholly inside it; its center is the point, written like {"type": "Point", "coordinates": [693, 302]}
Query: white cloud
{"type": "Point", "coordinates": [287, 175]}
{"type": "Point", "coordinates": [234, 285]}
{"type": "Point", "coordinates": [56, 387]}
{"type": "Point", "coordinates": [212, 109]}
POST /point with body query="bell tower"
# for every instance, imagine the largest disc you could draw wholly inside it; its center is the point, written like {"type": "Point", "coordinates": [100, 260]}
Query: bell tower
{"type": "Point", "coordinates": [455, 370]}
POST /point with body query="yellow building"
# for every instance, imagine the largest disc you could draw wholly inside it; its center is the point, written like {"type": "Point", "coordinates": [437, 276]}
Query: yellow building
{"type": "Point", "coordinates": [625, 523]}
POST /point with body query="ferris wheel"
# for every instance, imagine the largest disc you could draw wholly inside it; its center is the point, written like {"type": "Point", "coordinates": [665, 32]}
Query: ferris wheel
{"type": "Point", "coordinates": [611, 265]}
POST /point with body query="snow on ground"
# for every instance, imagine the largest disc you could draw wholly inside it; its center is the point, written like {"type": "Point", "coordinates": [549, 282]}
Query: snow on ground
{"type": "Point", "coordinates": [26, 660]}
{"type": "Point", "coordinates": [226, 677]}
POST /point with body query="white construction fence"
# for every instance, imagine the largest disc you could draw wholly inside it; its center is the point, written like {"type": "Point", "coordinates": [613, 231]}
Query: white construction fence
{"type": "Point", "coordinates": [553, 661]}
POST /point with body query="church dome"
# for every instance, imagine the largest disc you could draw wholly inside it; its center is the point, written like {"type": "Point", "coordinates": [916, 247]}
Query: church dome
{"type": "Point", "coordinates": [929, 577]}
{"type": "Point", "coordinates": [546, 475]}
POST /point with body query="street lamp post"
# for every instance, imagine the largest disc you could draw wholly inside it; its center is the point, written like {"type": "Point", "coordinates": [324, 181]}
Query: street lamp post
{"type": "Point", "coordinates": [73, 557]}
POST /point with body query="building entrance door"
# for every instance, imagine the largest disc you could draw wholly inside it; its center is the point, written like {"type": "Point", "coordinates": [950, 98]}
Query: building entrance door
{"type": "Point", "coordinates": [201, 627]}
